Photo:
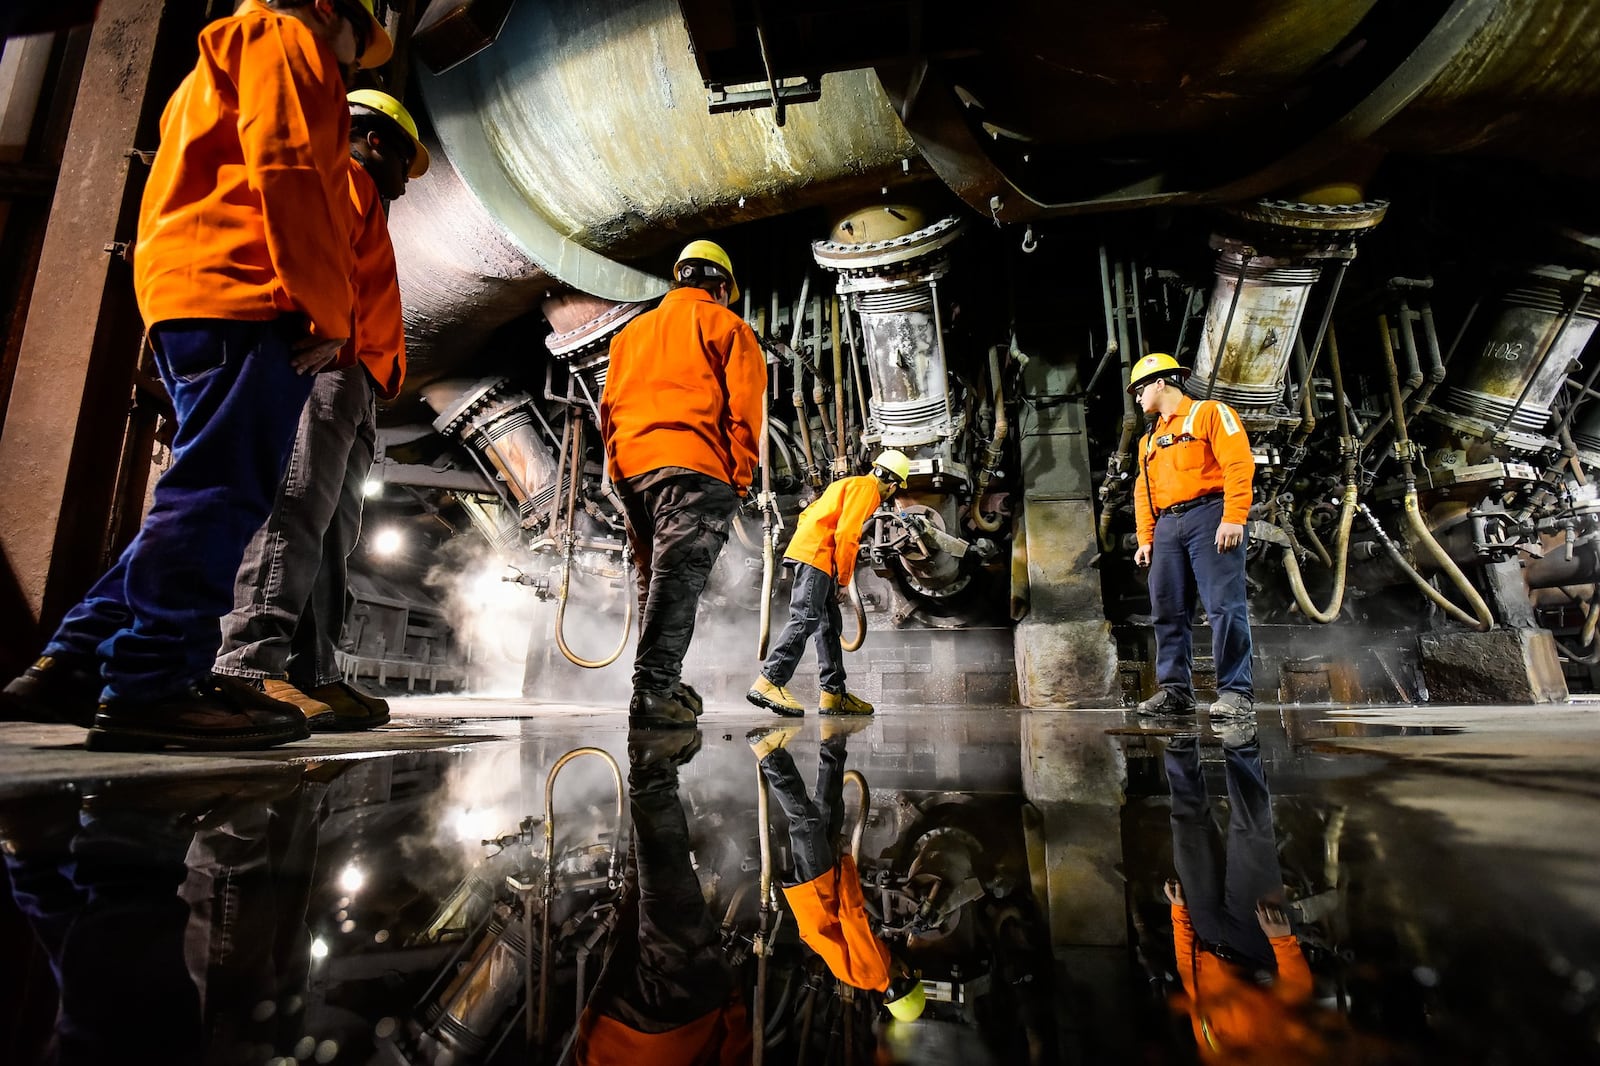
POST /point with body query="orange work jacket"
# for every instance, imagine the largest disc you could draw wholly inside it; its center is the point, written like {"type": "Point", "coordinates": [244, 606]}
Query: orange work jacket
{"type": "Point", "coordinates": [828, 534]}
{"type": "Point", "coordinates": [717, 1038]}
{"type": "Point", "coordinates": [379, 340]}
{"type": "Point", "coordinates": [1235, 1019]}
{"type": "Point", "coordinates": [685, 387]}
{"type": "Point", "coordinates": [246, 214]}
{"type": "Point", "coordinates": [832, 918]}
{"type": "Point", "coordinates": [1217, 459]}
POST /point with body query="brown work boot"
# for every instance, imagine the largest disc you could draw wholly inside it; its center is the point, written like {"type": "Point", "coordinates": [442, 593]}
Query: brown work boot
{"type": "Point", "coordinates": [769, 738]}
{"type": "Point", "coordinates": [318, 715]}
{"type": "Point", "coordinates": [352, 709]}
{"type": "Point", "coordinates": [54, 689]}
{"type": "Point", "coordinates": [843, 703]}
{"type": "Point", "coordinates": [212, 715]}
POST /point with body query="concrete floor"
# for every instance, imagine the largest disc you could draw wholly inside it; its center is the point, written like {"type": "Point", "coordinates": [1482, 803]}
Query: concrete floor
{"type": "Point", "coordinates": [1440, 865]}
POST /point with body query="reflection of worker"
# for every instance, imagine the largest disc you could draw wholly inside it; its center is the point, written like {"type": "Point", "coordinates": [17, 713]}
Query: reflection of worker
{"type": "Point", "coordinates": [1240, 965]}
{"type": "Point", "coordinates": [242, 273]}
{"type": "Point", "coordinates": [1192, 497]}
{"type": "Point", "coordinates": [680, 415]}
{"type": "Point", "coordinates": [288, 599]}
{"type": "Point", "coordinates": [823, 556]}
{"type": "Point", "coordinates": [666, 996]}
{"type": "Point", "coordinates": [825, 895]}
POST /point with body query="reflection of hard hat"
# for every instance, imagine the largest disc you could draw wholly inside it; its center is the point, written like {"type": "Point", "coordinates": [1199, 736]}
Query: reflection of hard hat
{"type": "Point", "coordinates": [906, 999]}
{"type": "Point", "coordinates": [379, 46]}
{"type": "Point", "coordinates": [706, 252]}
{"type": "Point", "coordinates": [896, 463]}
{"type": "Point", "coordinates": [386, 105]}
{"type": "Point", "coordinates": [1154, 365]}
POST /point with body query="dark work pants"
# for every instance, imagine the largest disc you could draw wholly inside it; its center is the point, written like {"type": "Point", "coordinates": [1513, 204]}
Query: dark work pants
{"type": "Point", "coordinates": [288, 599]}
{"type": "Point", "coordinates": [1223, 885]}
{"type": "Point", "coordinates": [813, 609]}
{"type": "Point", "coordinates": [676, 527]}
{"type": "Point", "coordinates": [673, 971]}
{"type": "Point", "coordinates": [814, 822]}
{"type": "Point", "coordinates": [1184, 561]}
{"type": "Point", "coordinates": [153, 619]}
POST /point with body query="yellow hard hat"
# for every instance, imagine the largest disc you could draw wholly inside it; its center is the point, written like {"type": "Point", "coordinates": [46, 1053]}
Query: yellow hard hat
{"type": "Point", "coordinates": [896, 463]}
{"type": "Point", "coordinates": [1154, 365]}
{"type": "Point", "coordinates": [708, 252]}
{"type": "Point", "coordinates": [379, 46]}
{"type": "Point", "coordinates": [384, 104]}
{"type": "Point", "coordinates": [906, 999]}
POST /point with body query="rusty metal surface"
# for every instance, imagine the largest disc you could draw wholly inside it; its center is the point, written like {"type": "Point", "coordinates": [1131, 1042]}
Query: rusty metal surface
{"type": "Point", "coordinates": [584, 129]}
{"type": "Point", "coordinates": [65, 422]}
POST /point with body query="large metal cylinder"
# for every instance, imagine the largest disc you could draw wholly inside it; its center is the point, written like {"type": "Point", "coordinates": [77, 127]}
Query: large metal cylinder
{"type": "Point", "coordinates": [1272, 295]}
{"type": "Point", "coordinates": [891, 285]}
{"type": "Point", "coordinates": [495, 419]}
{"type": "Point", "coordinates": [1525, 354]}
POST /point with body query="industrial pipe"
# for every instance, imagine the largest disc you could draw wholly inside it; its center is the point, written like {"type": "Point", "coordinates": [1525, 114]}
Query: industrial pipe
{"type": "Point", "coordinates": [1116, 337]}
{"type": "Point", "coordinates": [542, 1030]}
{"type": "Point", "coordinates": [569, 537]}
{"type": "Point", "coordinates": [841, 459]}
{"type": "Point", "coordinates": [991, 457]}
{"type": "Point", "coordinates": [1341, 551]}
{"type": "Point", "coordinates": [860, 611]}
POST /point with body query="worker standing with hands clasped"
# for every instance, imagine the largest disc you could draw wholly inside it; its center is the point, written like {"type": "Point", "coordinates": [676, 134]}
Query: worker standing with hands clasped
{"type": "Point", "coordinates": [822, 553]}
{"type": "Point", "coordinates": [681, 418]}
{"type": "Point", "coordinates": [242, 272]}
{"type": "Point", "coordinates": [1192, 498]}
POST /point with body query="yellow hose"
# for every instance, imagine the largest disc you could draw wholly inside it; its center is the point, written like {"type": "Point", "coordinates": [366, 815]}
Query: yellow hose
{"type": "Point", "coordinates": [854, 643]}
{"type": "Point", "coordinates": [1421, 535]}
{"type": "Point", "coordinates": [1341, 550]}
{"type": "Point", "coordinates": [561, 615]}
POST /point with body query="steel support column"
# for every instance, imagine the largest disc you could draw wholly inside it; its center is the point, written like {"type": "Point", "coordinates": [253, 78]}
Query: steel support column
{"type": "Point", "coordinates": [68, 412]}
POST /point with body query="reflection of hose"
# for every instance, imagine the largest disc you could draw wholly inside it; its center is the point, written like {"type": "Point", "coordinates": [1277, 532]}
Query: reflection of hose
{"type": "Point", "coordinates": [864, 801]}
{"type": "Point", "coordinates": [1341, 551]}
{"type": "Point", "coordinates": [854, 643]}
{"type": "Point", "coordinates": [758, 1034]}
{"type": "Point", "coordinates": [566, 571]}
{"type": "Point", "coordinates": [550, 872]}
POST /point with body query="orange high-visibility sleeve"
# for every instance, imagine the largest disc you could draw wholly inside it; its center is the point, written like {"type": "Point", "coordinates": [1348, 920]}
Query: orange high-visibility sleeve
{"type": "Point", "coordinates": [380, 335]}
{"type": "Point", "coordinates": [828, 533]}
{"type": "Point", "coordinates": [246, 213]}
{"type": "Point", "coordinates": [685, 387]}
{"type": "Point", "coordinates": [717, 1038]}
{"type": "Point", "coordinates": [831, 915]}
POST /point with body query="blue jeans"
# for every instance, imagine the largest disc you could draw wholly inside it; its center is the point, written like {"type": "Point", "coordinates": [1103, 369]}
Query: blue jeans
{"type": "Point", "coordinates": [288, 600]}
{"type": "Point", "coordinates": [813, 609]}
{"type": "Point", "coordinates": [1222, 885]}
{"type": "Point", "coordinates": [153, 619]}
{"type": "Point", "coordinates": [1184, 561]}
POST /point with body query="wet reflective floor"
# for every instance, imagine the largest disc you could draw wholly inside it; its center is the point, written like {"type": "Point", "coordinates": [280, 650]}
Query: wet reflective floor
{"type": "Point", "coordinates": [1406, 885]}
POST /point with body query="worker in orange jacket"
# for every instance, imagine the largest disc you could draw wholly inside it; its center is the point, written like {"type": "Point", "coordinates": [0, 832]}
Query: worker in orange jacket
{"type": "Point", "coordinates": [1242, 969]}
{"type": "Point", "coordinates": [242, 273]}
{"type": "Point", "coordinates": [1191, 500]}
{"type": "Point", "coordinates": [666, 995]}
{"type": "Point", "coordinates": [681, 418]}
{"type": "Point", "coordinates": [822, 554]}
{"type": "Point", "coordinates": [825, 892]}
{"type": "Point", "coordinates": [289, 596]}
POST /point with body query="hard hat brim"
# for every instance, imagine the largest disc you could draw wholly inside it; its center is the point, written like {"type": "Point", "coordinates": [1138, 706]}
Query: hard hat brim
{"type": "Point", "coordinates": [379, 45]}
{"type": "Point", "coordinates": [1181, 373]}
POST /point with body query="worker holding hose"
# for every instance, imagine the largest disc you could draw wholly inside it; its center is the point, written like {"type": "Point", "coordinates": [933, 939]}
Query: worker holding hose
{"type": "Point", "coordinates": [822, 554]}
{"type": "Point", "coordinates": [681, 419]}
{"type": "Point", "coordinates": [1191, 499]}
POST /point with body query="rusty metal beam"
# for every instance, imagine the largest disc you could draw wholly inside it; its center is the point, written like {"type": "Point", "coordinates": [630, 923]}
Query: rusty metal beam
{"type": "Point", "coordinates": [68, 413]}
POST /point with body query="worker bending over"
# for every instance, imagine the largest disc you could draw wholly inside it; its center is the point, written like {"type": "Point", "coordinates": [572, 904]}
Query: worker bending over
{"type": "Point", "coordinates": [822, 554]}
{"type": "Point", "coordinates": [681, 418]}
{"type": "Point", "coordinates": [1191, 499]}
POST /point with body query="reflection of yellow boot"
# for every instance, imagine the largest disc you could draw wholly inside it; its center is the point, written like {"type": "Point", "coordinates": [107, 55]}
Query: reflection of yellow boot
{"type": "Point", "coordinates": [774, 698]}
{"type": "Point", "coordinates": [844, 703]}
{"type": "Point", "coordinates": [842, 726]}
{"type": "Point", "coordinates": [770, 738]}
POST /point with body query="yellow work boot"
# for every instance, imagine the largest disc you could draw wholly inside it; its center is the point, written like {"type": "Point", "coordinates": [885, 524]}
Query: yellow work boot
{"type": "Point", "coordinates": [769, 738]}
{"type": "Point", "coordinates": [774, 698]}
{"type": "Point", "coordinates": [844, 703]}
{"type": "Point", "coordinates": [315, 710]}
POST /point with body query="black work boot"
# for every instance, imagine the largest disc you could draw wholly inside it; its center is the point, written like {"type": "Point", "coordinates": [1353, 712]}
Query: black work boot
{"type": "Point", "coordinates": [655, 711]}
{"type": "Point", "coordinates": [686, 695]}
{"type": "Point", "coordinates": [1167, 704]}
{"type": "Point", "coordinates": [207, 716]}
{"type": "Point", "coordinates": [56, 688]}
